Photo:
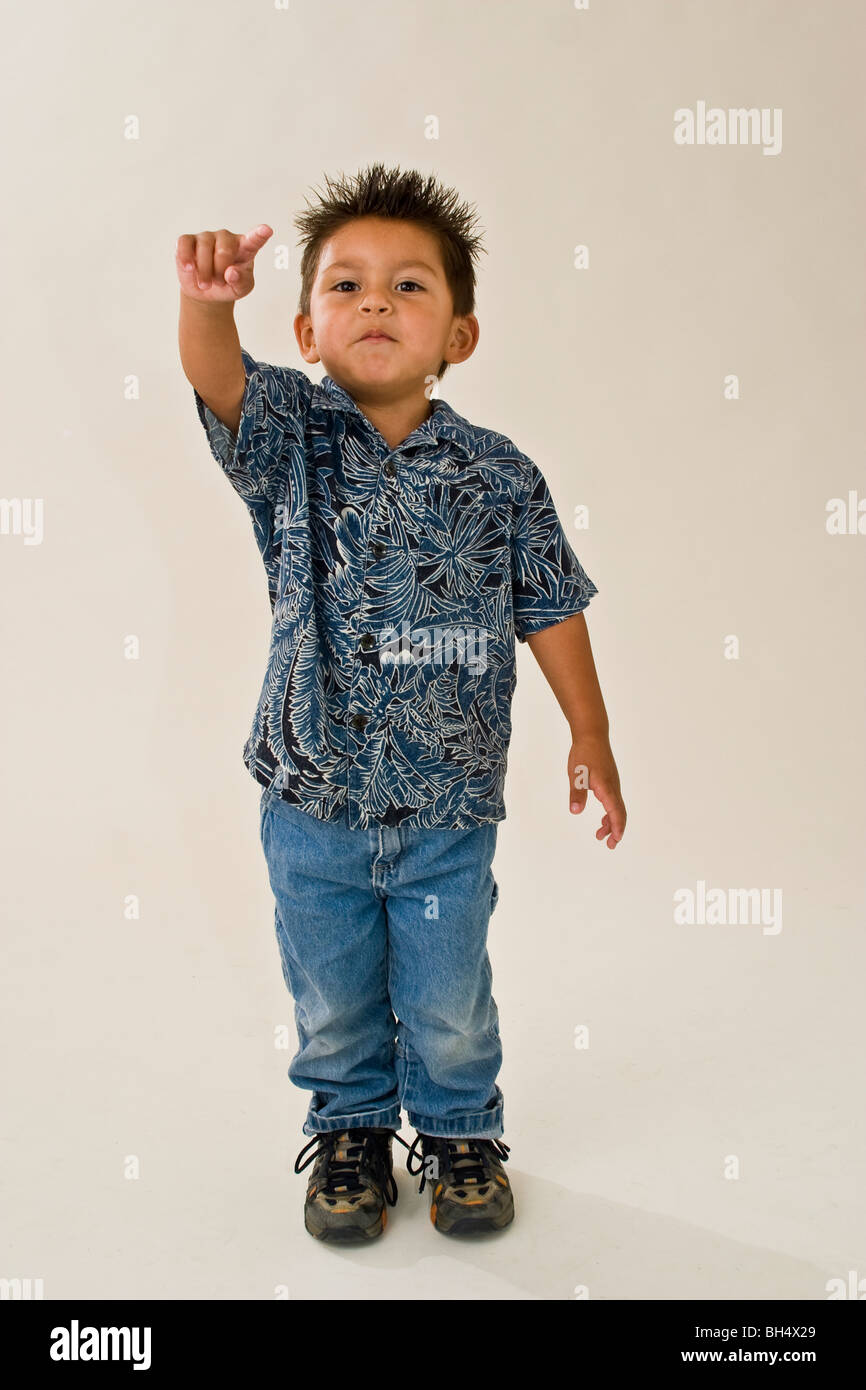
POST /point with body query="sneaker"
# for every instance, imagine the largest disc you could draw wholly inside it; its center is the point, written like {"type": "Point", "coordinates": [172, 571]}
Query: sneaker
{"type": "Point", "coordinates": [350, 1184]}
{"type": "Point", "coordinates": [469, 1191]}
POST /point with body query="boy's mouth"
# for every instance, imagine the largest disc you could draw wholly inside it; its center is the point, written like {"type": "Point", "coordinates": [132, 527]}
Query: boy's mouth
{"type": "Point", "coordinates": [377, 336]}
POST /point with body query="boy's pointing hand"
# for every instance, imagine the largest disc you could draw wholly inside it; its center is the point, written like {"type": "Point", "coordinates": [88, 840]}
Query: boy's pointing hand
{"type": "Point", "coordinates": [591, 768]}
{"type": "Point", "coordinates": [217, 267]}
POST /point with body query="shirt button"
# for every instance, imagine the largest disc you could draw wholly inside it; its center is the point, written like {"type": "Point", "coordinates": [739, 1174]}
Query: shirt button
{"type": "Point", "coordinates": [358, 721]}
{"type": "Point", "coordinates": [378, 549]}
{"type": "Point", "coordinates": [367, 641]}
{"type": "Point", "coordinates": [390, 469]}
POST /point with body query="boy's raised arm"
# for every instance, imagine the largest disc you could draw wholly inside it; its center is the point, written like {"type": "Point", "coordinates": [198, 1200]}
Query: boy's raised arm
{"type": "Point", "coordinates": [210, 353]}
{"type": "Point", "coordinates": [214, 270]}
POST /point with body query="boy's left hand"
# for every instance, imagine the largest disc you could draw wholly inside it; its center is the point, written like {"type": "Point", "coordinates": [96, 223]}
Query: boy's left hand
{"type": "Point", "coordinates": [591, 757]}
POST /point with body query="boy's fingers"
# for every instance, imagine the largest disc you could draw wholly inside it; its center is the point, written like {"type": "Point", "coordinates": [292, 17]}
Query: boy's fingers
{"type": "Point", "coordinates": [184, 258]}
{"type": "Point", "coordinates": [613, 823]}
{"type": "Point", "coordinates": [250, 244]}
{"type": "Point", "coordinates": [185, 262]}
{"type": "Point", "coordinates": [185, 248]}
{"type": "Point", "coordinates": [578, 790]}
{"type": "Point", "coordinates": [206, 257]}
{"type": "Point", "coordinates": [204, 245]}
{"type": "Point", "coordinates": [225, 253]}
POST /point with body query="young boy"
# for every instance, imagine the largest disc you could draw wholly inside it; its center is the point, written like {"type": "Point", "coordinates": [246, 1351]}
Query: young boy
{"type": "Point", "coordinates": [404, 548]}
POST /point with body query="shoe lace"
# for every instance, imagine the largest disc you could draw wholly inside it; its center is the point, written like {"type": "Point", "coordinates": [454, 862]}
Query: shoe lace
{"type": "Point", "coordinates": [346, 1151]}
{"type": "Point", "coordinates": [467, 1159]}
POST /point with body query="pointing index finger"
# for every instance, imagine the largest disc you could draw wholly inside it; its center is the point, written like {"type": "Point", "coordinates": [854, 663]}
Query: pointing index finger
{"type": "Point", "coordinates": [252, 243]}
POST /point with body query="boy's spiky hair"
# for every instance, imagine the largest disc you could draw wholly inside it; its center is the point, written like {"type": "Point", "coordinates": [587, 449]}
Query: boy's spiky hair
{"type": "Point", "coordinates": [407, 195]}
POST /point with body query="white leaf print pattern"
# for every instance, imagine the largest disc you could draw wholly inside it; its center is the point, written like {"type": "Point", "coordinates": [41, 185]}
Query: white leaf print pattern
{"type": "Point", "coordinates": [453, 535]}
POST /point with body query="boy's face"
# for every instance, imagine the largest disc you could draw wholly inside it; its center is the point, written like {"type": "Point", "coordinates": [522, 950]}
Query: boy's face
{"type": "Point", "coordinates": [383, 275]}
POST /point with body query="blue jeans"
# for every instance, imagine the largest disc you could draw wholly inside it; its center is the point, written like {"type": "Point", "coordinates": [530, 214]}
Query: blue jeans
{"type": "Point", "coordinates": [383, 942]}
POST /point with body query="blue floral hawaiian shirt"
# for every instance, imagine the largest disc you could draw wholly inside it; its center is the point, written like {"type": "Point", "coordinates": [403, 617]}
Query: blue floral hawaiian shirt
{"type": "Point", "coordinates": [398, 580]}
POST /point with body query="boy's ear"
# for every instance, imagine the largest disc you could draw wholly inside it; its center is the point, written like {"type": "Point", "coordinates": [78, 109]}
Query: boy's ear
{"type": "Point", "coordinates": [303, 326]}
{"type": "Point", "coordinates": [464, 338]}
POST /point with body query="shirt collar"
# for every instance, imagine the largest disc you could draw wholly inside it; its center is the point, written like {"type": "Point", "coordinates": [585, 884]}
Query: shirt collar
{"type": "Point", "coordinates": [442, 425]}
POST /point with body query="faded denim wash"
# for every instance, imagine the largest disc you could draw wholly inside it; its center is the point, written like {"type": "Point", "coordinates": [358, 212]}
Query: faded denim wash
{"type": "Point", "coordinates": [382, 936]}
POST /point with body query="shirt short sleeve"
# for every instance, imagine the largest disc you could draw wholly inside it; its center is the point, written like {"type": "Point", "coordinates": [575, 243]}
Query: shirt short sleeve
{"type": "Point", "coordinates": [549, 583]}
{"type": "Point", "coordinates": [254, 459]}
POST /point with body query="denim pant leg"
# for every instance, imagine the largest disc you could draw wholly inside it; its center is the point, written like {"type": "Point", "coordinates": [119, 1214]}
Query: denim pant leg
{"type": "Point", "coordinates": [441, 892]}
{"type": "Point", "coordinates": [332, 937]}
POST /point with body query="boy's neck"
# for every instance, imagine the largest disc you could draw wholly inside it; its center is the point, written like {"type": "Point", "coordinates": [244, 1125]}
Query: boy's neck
{"type": "Point", "coordinates": [395, 422]}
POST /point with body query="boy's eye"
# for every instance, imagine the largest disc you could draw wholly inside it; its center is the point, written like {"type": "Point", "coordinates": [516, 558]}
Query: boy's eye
{"type": "Point", "coordinates": [353, 284]}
